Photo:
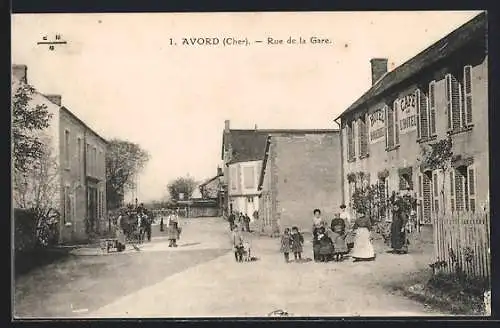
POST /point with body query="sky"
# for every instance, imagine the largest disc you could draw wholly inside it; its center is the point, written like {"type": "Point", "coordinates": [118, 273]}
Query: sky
{"type": "Point", "coordinates": [121, 76]}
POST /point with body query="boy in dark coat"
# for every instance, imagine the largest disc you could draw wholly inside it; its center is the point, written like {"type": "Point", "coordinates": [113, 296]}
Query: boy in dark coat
{"type": "Point", "coordinates": [297, 242]}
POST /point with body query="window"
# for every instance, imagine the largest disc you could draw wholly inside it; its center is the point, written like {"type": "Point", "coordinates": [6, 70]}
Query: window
{"type": "Point", "coordinates": [67, 205]}
{"type": "Point", "coordinates": [432, 108]}
{"type": "Point", "coordinates": [351, 152]}
{"type": "Point", "coordinates": [363, 137]}
{"type": "Point", "coordinates": [250, 199]}
{"type": "Point", "coordinates": [463, 189]}
{"type": "Point", "coordinates": [67, 148]}
{"type": "Point", "coordinates": [94, 161]}
{"type": "Point", "coordinates": [422, 115]}
{"type": "Point", "coordinates": [234, 178]}
{"type": "Point", "coordinates": [405, 182]}
{"type": "Point", "coordinates": [87, 159]}
{"type": "Point", "coordinates": [249, 177]}
{"type": "Point", "coordinates": [99, 163]}
{"type": "Point", "coordinates": [453, 91]}
{"type": "Point", "coordinates": [79, 150]}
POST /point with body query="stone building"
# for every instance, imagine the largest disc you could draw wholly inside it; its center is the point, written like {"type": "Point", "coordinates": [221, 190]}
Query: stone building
{"type": "Point", "coordinates": [301, 171]}
{"type": "Point", "coordinates": [441, 92]}
{"type": "Point", "coordinates": [80, 169]}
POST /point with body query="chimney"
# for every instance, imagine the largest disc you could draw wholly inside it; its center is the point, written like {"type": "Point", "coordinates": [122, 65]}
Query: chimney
{"type": "Point", "coordinates": [56, 99]}
{"type": "Point", "coordinates": [255, 127]}
{"type": "Point", "coordinates": [379, 68]}
{"type": "Point", "coordinates": [219, 171]}
{"type": "Point", "coordinates": [226, 125]}
{"type": "Point", "coordinates": [20, 72]}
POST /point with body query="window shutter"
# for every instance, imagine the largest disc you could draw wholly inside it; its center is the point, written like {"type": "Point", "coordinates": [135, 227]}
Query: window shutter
{"type": "Point", "coordinates": [449, 109]}
{"type": "Point", "coordinates": [363, 136]}
{"type": "Point", "coordinates": [468, 94]}
{"type": "Point", "coordinates": [452, 191]}
{"type": "Point", "coordinates": [432, 109]}
{"type": "Point", "coordinates": [435, 191]}
{"type": "Point", "coordinates": [386, 114]}
{"type": "Point", "coordinates": [360, 136]}
{"type": "Point", "coordinates": [417, 98]}
{"type": "Point", "coordinates": [472, 188]}
{"type": "Point", "coordinates": [455, 102]}
{"type": "Point", "coordinates": [396, 123]}
{"type": "Point", "coordinates": [459, 191]}
{"type": "Point", "coordinates": [390, 126]}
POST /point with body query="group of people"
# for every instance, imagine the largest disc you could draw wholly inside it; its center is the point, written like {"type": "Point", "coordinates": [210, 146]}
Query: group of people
{"type": "Point", "coordinates": [239, 221]}
{"type": "Point", "coordinates": [133, 224]}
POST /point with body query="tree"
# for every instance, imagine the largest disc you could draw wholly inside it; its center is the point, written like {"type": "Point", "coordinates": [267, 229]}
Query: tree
{"type": "Point", "coordinates": [36, 190]}
{"type": "Point", "coordinates": [183, 185]}
{"type": "Point", "coordinates": [27, 121]}
{"type": "Point", "coordinates": [438, 156]}
{"type": "Point", "coordinates": [124, 161]}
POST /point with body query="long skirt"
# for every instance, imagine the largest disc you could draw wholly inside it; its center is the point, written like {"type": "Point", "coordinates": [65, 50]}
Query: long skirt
{"type": "Point", "coordinates": [399, 240]}
{"type": "Point", "coordinates": [363, 248]}
{"type": "Point", "coordinates": [173, 232]}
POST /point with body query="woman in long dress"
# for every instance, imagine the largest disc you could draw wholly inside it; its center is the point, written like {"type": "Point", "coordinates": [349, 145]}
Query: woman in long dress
{"type": "Point", "coordinates": [120, 233]}
{"type": "Point", "coordinates": [363, 247]}
{"type": "Point", "coordinates": [399, 239]}
{"type": "Point", "coordinates": [173, 230]}
{"type": "Point", "coordinates": [318, 223]}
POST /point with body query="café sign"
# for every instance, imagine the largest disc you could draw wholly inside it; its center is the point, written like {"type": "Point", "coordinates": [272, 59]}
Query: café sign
{"type": "Point", "coordinates": [406, 108]}
{"type": "Point", "coordinates": [377, 125]}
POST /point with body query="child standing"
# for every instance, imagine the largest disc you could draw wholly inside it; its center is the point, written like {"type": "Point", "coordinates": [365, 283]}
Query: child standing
{"type": "Point", "coordinates": [325, 245]}
{"type": "Point", "coordinates": [297, 242]}
{"type": "Point", "coordinates": [339, 241]}
{"type": "Point", "coordinates": [286, 243]}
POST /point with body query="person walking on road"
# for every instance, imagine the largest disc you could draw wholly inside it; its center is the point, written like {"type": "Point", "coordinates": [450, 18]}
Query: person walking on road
{"type": "Point", "coordinates": [286, 244]}
{"type": "Point", "coordinates": [231, 220]}
{"type": "Point", "coordinates": [120, 233]}
{"type": "Point", "coordinates": [246, 220]}
{"type": "Point", "coordinates": [173, 230]}
{"type": "Point", "coordinates": [363, 247]}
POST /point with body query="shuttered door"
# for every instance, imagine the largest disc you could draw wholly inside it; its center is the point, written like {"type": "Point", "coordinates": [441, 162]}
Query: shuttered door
{"type": "Point", "coordinates": [427, 196]}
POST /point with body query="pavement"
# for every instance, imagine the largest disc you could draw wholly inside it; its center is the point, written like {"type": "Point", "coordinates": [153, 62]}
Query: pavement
{"type": "Point", "coordinates": [223, 288]}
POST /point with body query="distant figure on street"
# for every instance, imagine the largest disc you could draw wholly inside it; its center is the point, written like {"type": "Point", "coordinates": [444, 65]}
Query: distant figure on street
{"type": "Point", "coordinates": [344, 215]}
{"type": "Point", "coordinates": [297, 243]}
{"type": "Point", "coordinates": [231, 220]}
{"type": "Point", "coordinates": [246, 220]}
{"type": "Point", "coordinates": [148, 222]}
{"type": "Point", "coordinates": [399, 239]}
{"type": "Point", "coordinates": [318, 223]}
{"type": "Point", "coordinates": [363, 248]}
{"type": "Point", "coordinates": [238, 245]}
{"type": "Point", "coordinates": [120, 231]}
{"type": "Point", "coordinates": [286, 244]}
{"type": "Point", "coordinates": [173, 230]}
{"type": "Point", "coordinates": [161, 223]}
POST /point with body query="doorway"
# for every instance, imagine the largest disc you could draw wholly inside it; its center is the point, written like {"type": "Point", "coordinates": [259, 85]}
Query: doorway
{"type": "Point", "coordinates": [92, 225]}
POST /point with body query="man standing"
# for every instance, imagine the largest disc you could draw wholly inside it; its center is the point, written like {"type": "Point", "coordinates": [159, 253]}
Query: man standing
{"type": "Point", "coordinates": [231, 219]}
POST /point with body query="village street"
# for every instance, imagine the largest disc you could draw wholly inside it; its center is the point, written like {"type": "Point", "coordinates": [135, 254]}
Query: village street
{"type": "Point", "coordinates": [200, 278]}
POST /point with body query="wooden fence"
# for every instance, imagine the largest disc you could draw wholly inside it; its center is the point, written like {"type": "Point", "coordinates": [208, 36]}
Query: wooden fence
{"type": "Point", "coordinates": [462, 241]}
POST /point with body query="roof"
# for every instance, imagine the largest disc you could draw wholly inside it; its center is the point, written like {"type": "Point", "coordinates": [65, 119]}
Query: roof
{"type": "Point", "coordinates": [250, 145]}
{"type": "Point", "coordinates": [210, 180]}
{"type": "Point", "coordinates": [83, 123]}
{"type": "Point", "coordinates": [473, 30]}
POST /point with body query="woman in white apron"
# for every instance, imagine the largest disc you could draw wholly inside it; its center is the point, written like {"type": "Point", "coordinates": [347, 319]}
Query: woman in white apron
{"type": "Point", "coordinates": [363, 247]}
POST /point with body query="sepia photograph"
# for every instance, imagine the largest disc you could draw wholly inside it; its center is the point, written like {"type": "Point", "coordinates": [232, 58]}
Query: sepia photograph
{"type": "Point", "coordinates": [250, 165]}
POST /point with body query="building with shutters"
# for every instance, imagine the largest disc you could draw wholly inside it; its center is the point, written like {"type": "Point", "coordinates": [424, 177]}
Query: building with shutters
{"type": "Point", "coordinates": [441, 92]}
{"type": "Point", "coordinates": [80, 170]}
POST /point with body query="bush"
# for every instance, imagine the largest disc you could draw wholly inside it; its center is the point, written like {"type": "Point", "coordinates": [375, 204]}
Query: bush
{"type": "Point", "coordinates": [24, 230]}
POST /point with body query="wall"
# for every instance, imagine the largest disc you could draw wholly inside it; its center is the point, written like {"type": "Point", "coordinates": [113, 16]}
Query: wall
{"type": "Point", "coordinates": [470, 143]}
{"type": "Point", "coordinates": [306, 175]}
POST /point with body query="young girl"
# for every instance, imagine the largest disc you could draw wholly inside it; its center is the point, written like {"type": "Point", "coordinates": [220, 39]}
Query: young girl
{"type": "Point", "coordinates": [297, 242]}
{"type": "Point", "coordinates": [339, 239]}
{"type": "Point", "coordinates": [325, 245]}
{"type": "Point", "coordinates": [286, 242]}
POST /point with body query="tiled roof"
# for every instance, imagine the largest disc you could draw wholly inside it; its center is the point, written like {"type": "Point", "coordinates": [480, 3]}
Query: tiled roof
{"type": "Point", "coordinates": [250, 145]}
{"type": "Point", "coordinates": [473, 30]}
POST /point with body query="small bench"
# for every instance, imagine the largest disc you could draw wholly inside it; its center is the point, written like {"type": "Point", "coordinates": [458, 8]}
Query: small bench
{"type": "Point", "coordinates": [107, 244]}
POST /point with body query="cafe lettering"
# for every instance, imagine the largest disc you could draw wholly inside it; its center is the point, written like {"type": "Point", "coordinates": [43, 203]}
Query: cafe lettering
{"type": "Point", "coordinates": [377, 126]}
{"type": "Point", "coordinates": [407, 113]}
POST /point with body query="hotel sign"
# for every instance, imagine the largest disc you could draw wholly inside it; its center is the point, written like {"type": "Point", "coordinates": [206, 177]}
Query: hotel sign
{"type": "Point", "coordinates": [377, 126]}
{"type": "Point", "coordinates": [407, 113]}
